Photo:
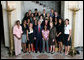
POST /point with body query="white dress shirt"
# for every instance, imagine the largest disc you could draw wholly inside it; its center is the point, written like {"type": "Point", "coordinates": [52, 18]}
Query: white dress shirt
{"type": "Point", "coordinates": [66, 29]}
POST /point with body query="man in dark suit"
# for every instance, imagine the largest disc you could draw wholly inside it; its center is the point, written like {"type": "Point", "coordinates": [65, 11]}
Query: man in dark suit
{"type": "Point", "coordinates": [38, 37]}
{"type": "Point", "coordinates": [36, 13]}
{"type": "Point", "coordinates": [56, 16]}
{"type": "Point", "coordinates": [52, 13]}
{"type": "Point", "coordinates": [44, 14]}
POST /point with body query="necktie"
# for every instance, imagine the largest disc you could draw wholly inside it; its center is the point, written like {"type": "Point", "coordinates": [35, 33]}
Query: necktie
{"type": "Point", "coordinates": [39, 29]}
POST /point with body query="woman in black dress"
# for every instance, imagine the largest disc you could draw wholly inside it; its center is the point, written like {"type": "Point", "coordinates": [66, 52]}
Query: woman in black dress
{"type": "Point", "coordinates": [31, 37]}
{"type": "Point", "coordinates": [60, 34]}
{"type": "Point", "coordinates": [56, 23]}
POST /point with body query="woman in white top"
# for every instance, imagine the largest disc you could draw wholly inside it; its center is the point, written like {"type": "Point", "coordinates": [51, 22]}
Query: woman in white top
{"type": "Point", "coordinates": [67, 36]}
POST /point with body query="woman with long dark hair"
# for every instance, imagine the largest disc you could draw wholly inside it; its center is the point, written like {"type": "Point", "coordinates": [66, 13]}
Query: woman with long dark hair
{"type": "Point", "coordinates": [24, 40]}
{"type": "Point", "coordinates": [60, 33]}
{"type": "Point", "coordinates": [67, 36]}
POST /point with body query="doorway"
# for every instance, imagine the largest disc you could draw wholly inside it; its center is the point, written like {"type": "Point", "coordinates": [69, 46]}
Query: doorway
{"type": "Point", "coordinates": [1, 27]}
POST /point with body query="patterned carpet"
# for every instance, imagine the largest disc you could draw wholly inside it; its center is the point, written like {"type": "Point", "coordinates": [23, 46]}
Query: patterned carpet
{"type": "Point", "coordinates": [56, 55]}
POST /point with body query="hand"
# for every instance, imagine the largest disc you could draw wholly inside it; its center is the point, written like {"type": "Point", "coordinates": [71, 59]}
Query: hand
{"type": "Point", "coordinates": [53, 40]}
{"type": "Point", "coordinates": [57, 35]}
{"type": "Point", "coordinates": [19, 38]}
{"type": "Point", "coordinates": [28, 39]}
{"type": "Point", "coordinates": [34, 38]}
{"type": "Point", "coordinates": [68, 39]}
{"type": "Point", "coordinates": [45, 39]}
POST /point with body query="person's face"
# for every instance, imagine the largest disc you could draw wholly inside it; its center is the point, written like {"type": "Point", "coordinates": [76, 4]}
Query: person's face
{"type": "Point", "coordinates": [45, 27]}
{"type": "Point", "coordinates": [18, 23]}
{"type": "Point", "coordinates": [52, 11]}
{"type": "Point", "coordinates": [39, 23]}
{"type": "Point", "coordinates": [44, 11]}
{"type": "Point", "coordinates": [28, 20]}
{"type": "Point", "coordinates": [66, 22]}
{"type": "Point", "coordinates": [56, 13]}
{"type": "Point", "coordinates": [46, 21]}
{"type": "Point", "coordinates": [32, 15]}
{"type": "Point", "coordinates": [60, 21]}
{"type": "Point", "coordinates": [39, 13]}
{"type": "Point", "coordinates": [29, 12]}
{"type": "Point", "coordinates": [48, 15]}
{"type": "Point", "coordinates": [36, 11]}
{"type": "Point", "coordinates": [31, 25]}
{"type": "Point", "coordinates": [41, 17]}
{"type": "Point", "coordinates": [50, 18]}
{"type": "Point", "coordinates": [34, 18]}
{"type": "Point", "coordinates": [35, 21]}
{"type": "Point", "coordinates": [25, 22]}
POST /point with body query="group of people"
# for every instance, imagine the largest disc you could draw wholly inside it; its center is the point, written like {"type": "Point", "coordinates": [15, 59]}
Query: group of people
{"type": "Point", "coordinates": [42, 32]}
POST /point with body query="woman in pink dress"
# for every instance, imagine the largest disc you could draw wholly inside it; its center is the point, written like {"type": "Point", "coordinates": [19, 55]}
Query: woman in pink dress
{"type": "Point", "coordinates": [17, 32]}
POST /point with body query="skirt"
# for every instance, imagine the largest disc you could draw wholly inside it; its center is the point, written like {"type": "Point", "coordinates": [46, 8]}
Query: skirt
{"type": "Point", "coordinates": [24, 38]}
{"type": "Point", "coordinates": [31, 38]}
{"type": "Point", "coordinates": [66, 42]}
{"type": "Point", "coordinates": [60, 38]}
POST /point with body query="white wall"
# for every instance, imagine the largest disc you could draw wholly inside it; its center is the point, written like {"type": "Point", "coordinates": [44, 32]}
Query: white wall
{"type": "Point", "coordinates": [5, 22]}
{"type": "Point", "coordinates": [29, 5]}
{"type": "Point", "coordinates": [78, 22]}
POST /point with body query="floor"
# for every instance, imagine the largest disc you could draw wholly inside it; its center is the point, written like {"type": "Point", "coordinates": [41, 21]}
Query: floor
{"type": "Point", "coordinates": [4, 55]}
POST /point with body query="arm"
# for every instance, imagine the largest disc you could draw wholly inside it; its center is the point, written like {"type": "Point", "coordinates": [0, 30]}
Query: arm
{"type": "Point", "coordinates": [69, 35]}
{"type": "Point", "coordinates": [61, 30]}
{"type": "Point", "coordinates": [59, 34]}
{"type": "Point", "coordinates": [21, 32]}
{"type": "Point", "coordinates": [14, 32]}
{"type": "Point", "coordinates": [48, 34]}
{"type": "Point", "coordinates": [43, 35]}
{"type": "Point", "coordinates": [15, 36]}
{"type": "Point", "coordinates": [27, 35]}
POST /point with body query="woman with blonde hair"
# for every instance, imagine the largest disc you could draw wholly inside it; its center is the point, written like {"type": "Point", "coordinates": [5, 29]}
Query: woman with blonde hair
{"type": "Point", "coordinates": [52, 36]}
{"type": "Point", "coordinates": [30, 37]}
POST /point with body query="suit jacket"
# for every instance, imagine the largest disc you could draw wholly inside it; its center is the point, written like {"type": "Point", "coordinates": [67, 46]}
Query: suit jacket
{"type": "Point", "coordinates": [38, 34]}
{"type": "Point", "coordinates": [44, 16]}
